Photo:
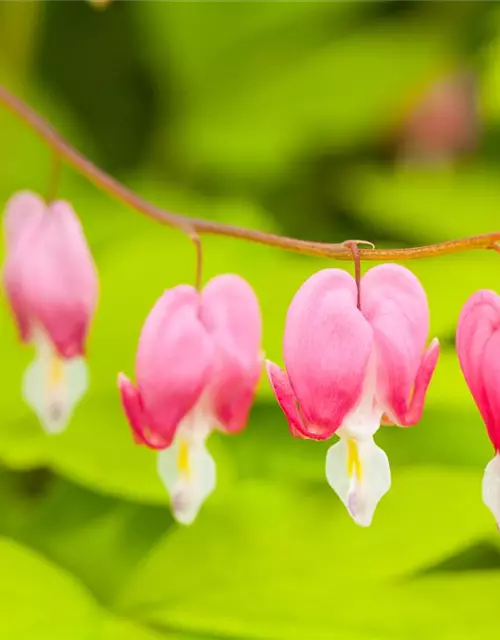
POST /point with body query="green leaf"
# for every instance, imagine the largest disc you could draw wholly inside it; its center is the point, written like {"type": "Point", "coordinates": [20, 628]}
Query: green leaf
{"type": "Point", "coordinates": [97, 538]}
{"type": "Point", "coordinates": [424, 205]}
{"type": "Point", "coordinates": [443, 608]}
{"type": "Point", "coordinates": [273, 558]}
{"type": "Point", "coordinates": [97, 450]}
{"type": "Point", "coordinates": [261, 545]}
{"type": "Point", "coordinates": [249, 36]}
{"type": "Point", "coordinates": [119, 629]}
{"type": "Point", "coordinates": [41, 602]}
{"type": "Point", "coordinates": [259, 93]}
{"type": "Point", "coordinates": [267, 125]}
{"type": "Point", "coordinates": [482, 555]}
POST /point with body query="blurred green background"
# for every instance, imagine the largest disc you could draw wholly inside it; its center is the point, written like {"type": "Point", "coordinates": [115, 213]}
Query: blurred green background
{"type": "Point", "coordinates": [288, 117]}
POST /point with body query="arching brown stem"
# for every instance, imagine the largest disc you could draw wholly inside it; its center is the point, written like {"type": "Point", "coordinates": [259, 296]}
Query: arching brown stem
{"type": "Point", "coordinates": [197, 226]}
{"type": "Point", "coordinates": [55, 174]}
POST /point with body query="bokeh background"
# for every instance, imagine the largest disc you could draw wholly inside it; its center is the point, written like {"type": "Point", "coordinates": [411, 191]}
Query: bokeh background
{"type": "Point", "coordinates": [324, 120]}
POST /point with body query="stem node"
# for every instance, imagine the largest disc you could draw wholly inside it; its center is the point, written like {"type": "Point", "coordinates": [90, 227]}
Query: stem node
{"type": "Point", "coordinates": [195, 238]}
{"type": "Point", "coordinates": [353, 246]}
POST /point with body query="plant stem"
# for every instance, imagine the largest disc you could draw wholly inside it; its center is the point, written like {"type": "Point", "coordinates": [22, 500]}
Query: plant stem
{"type": "Point", "coordinates": [351, 244]}
{"type": "Point", "coordinates": [55, 173]}
{"type": "Point", "coordinates": [199, 260]}
{"type": "Point", "coordinates": [196, 226]}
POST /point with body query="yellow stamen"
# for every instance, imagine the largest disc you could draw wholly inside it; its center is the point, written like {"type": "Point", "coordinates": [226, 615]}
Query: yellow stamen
{"type": "Point", "coordinates": [56, 371]}
{"type": "Point", "coordinates": [183, 459]}
{"type": "Point", "coordinates": [353, 461]}
{"type": "Point", "coordinates": [54, 385]}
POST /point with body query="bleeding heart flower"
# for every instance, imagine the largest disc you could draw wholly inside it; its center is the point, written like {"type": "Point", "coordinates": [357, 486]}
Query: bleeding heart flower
{"type": "Point", "coordinates": [51, 284]}
{"type": "Point", "coordinates": [478, 348]}
{"type": "Point", "coordinates": [197, 368]}
{"type": "Point", "coordinates": [346, 368]}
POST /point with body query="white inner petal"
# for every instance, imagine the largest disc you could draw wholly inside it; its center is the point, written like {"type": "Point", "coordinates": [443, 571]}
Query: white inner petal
{"type": "Point", "coordinates": [52, 386]}
{"type": "Point", "coordinates": [491, 487]}
{"type": "Point", "coordinates": [358, 471]}
{"type": "Point", "coordinates": [187, 469]}
{"type": "Point", "coordinates": [364, 420]}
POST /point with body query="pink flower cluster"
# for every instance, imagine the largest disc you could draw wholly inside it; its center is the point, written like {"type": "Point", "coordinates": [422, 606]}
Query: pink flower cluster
{"type": "Point", "coordinates": [352, 363]}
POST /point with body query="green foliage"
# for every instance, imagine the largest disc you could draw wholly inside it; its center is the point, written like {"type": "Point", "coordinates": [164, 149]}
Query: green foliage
{"type": "Point", "coordinates": [345, 87]}
{"type": "Point", "coordinates": [252, 102]}
{"type": "Point", "coordinates": [426, 204]}
{"type": "Point", "coordinates": [63, 608]}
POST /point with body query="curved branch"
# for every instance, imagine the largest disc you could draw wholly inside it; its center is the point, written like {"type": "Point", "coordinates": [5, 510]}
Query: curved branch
{"type": "Point", "coordinates": [197, 226]}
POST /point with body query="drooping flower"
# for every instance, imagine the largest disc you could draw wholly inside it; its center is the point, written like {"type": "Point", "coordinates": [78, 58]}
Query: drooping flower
{"type": "Point", "coordinates": [478, 348]}
{"type": "Point", "coordinates": [197, 368]}
{"type": "Point", "coordinates": [51, 284]}
{"type": "Point", "coordinates": [347, 367]}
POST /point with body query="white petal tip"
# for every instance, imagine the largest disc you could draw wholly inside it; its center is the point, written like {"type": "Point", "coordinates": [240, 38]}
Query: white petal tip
{"type": "Point", "coordinates": [361, 521]}
{"type": "Point", "coordinates": [189, 481]}
{"type": "Point", "coordinates": [184, 509]}
{"type": "Point", "coordinates": [182, 520]}
{"type": "Point", "coordinates": [55, 418]}
{"type": "Point", "coordinates": [54, 428]}
{"type": "Point", "coordinates": [363, 524]}
{"type": "Point", "coordinates": [359, 474]}
{"type": "Point", "coordinates": [357, 510]}
{"type": "Point", "coordinates": [52, 387]}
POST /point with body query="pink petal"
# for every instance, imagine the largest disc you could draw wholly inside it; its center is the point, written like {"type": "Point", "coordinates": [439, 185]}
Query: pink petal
{"type": "Point", "coordinates": [326, 348]}
{"type": "Point", "coordinates": [490, 373]}
{"type": "Point", "coordinates": [286, 398]}
{"type": "Point", "coordinates": [230, 313]}
{"type": "Point", "coordinates": [136, 415]}
{"type": "Point", "coordinates": [422, 381]}
{"type": "Point", "coordinates": [22, 211]}
{"type": "Point", "coordinates": [478, 348]}
{"type": "Point", "coordinates": [23, 214]}
{"type": "Point", "coordinates": [174, 360]}
{"type": "Point", "coordinates": [51, 277]}
{"type": "Point", "coordinates": [12, 282]}
{"type": "Point", "coordinates": [132, 405]}
{"type": "Point", "coordinates": [394, 303]}
{"type": "Point", "coordinates": [66, 304]}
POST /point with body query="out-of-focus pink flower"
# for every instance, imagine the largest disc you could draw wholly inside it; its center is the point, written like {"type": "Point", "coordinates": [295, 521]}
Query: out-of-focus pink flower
{"type": "Point", "coordinates": [478, 348]}
{"type": "Point", "coordinates": [346, 368]}
{"type": "Point", "coordinates": [444, 123]}
{"type": "Point", "coordinates": [100, 4]}
{"type": "Point", "coordinates": [51, 284]}
{"type": "Point", "coordinates": [197, 368]}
